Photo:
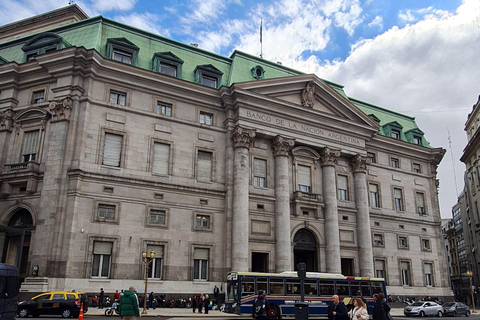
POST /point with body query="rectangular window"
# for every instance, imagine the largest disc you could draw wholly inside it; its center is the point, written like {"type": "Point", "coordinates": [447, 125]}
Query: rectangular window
{"type": "Point", "coordinates": [426, 245]}
{"type": "Point", "coordinates": [206, 118]}
{"type": "Point", "coordinates": [372, 157]}
{"type": "Point", "coordinates": [342, 188]}
{"type": "Point", "coordinates": [209, 81]}
{"type": "Point", "coordinates": [106, 212]}
{"type": "Point", "coordinates": [202, 221]}
{"type": "Point", "coordinates": [394, 163]}
{"type": "Point", "coordinates": [161, 158]}
{"type": "Point", "coordinates": [38, 96]}
{"type": "Point", "coordinates": [417, 140]}
{"type": "Point", "coordinates": [398, 198]}
{"type": "Point", "coordinates": [420, 203]}
{"type": "Point", "coordinates": [119, 98]}
{"type": "Point", "coordinates": [402, 242]}
{"type": "Point", "coordinates": [204, 166]}
{"type": "Point", "coordinates": [168, 69]}
{"type": "Point", "coordinates": [164, 108]}
{"type": "Point", "coordinates": [155, 269]}
{"type": "Point", "coordinates": [416, 168]}
{"type": "Point", "coordinates": [428, 274]}
{"type": "Point", "coordinates": [304, 179]}
{"type": "Point", "coordinates": [112, 150]}
{"type": "Point", "coordinates": [30, 146]}
{"type": "Point", "coordinates": [405, 273]}
{"type": "Point", "coordinates": [259, 173]}
{"type": "Point", "coordinates": [157, 217]}
{"type": "Point", "coordinates": [200, 264]}
{"type": "Point", "coordinates": [395, 134]}
{"type": "Point", "coordinates": [122, 56]}
{"type": "Point", "coordinates": [102, 252]}
{"type": "Point", "coordinates": [380, 268]}
{"type": "Point", "coordinates": [373, 193]}
{"type": "Point", "coordinates": [378, 240]}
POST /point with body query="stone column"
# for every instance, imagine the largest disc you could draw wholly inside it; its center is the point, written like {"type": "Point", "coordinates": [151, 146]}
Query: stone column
{"type": "Point", "coordinates": [242, 139]}
{"type": "Point", "coordinates": [365, 253]}
{"type": "Point", "coordinates": [283, 255]}
{"type": "Point", "coordinates": [332, 236]}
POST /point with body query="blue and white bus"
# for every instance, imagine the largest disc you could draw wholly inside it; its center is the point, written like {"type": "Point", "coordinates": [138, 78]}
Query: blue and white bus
{"type": "Point", "coordinates": [283, 290]}
{"type": "Point", "coordinates": [9, 287]}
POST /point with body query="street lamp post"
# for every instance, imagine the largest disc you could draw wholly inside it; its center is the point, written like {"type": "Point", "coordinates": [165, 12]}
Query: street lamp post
{"type": "Point", "coordinates": [147, 261]}
{"type": "Point", "coordinates": [470, 275]}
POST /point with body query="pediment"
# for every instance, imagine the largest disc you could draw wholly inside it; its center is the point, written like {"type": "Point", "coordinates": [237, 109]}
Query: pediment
{"type": "Point", "coordinates": [312, 94]}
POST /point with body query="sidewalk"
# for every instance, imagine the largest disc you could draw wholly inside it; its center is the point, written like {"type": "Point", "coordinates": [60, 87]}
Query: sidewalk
{"type": "Point", "coordinates": [184, 312]}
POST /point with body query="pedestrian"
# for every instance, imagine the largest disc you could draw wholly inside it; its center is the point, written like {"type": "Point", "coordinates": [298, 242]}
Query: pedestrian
{"type": "Point", "coordinates": [150, 301]}
{"type": "Point", "coordinates": [200, 303]}
{"type": "Point", "coordinates": [128, 308]}
{"type": "Point", "coordinates": [116, 296]}
{"type": "Point", "coordinates": [95, 301]}
{"type": "Point", "coordinates": [359, 311]}
{"type": "Point", "coordinates": [216, 291]}
{"type": "Point", "coordinates": [381, 308]}
{"type": "Point", "coordinates": [206, 303]}
{"type": "Point", "coordinates": [260, 306]}
{"type": "Point", "coordinates": [337, 309]}
{"type": "Point", "coordinates": [100, 298]}
{"type": "Point", "coordinates": [194, 303]}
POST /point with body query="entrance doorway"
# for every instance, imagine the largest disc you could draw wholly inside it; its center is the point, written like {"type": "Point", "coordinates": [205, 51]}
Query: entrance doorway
{"type": "Point", "coordinates": [305, 250]}
{"type": "Point", "coordinates": [347, 267]}
{"type": "Point", "coordinates": [259, 262]}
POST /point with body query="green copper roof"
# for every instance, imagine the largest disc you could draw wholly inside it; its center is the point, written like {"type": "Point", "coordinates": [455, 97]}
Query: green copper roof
{"type": "Point", "coordinates": [94, 33]}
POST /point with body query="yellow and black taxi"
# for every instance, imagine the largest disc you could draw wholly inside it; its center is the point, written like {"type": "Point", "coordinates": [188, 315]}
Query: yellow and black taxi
{"type": "Point", "coordinates": [66, 304]}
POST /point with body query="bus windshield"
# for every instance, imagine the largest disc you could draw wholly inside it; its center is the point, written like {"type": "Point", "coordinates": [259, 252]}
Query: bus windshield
{"type": "Point", "coordinates": [232, 286]}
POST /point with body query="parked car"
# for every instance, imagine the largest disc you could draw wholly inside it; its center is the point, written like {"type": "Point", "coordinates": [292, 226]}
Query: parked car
{"type": "Point", "coordinates": [423, 308]}
{"type": "Point", "coordinates": [456, 308]}
{"type": "Point", "coordinates": [66, 304]}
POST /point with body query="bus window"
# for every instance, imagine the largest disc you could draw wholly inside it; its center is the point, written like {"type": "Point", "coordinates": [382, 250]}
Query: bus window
{"type": "Point", "coordinates": [248, 286]}
{"type": "Point", "coordinates": [342, 288]}
{"type": "Point", "coordinates": [232, 286]}
{"type": "Point", "coordinates": [377, 287]}
{"type": "Point", "coordinates": [326, 288]}
{"type": "Point", "coordinates": [293, 286]}
{"type": "Point", "coordinates": [354, 287]}
{"type": "Point", "coordinates": [366, 289]}
{"type": "Point", "coordinates": [310, 287]}
{"type": "Point", "coordinates": [276, 286]}
{"type": "Point", "coordinates": [262, 285]}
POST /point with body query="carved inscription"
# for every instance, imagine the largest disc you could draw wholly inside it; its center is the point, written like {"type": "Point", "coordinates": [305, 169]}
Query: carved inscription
{"type": "Point", "coordinates": [302, 128]}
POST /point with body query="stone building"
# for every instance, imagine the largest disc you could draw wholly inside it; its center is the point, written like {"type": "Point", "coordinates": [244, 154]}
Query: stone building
{"type": "Point", "coordinates": [115, 141]}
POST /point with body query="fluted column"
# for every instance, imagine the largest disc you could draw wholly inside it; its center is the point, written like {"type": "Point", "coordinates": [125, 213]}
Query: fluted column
{"type": "Point", "coordinates": [365, 253]}
{"type": "Point", "coordinates": [242, 139]}
{"type": "Point", "coordinates": [332, 236]}
{"type": "Point", "coordinates": [283, 255]}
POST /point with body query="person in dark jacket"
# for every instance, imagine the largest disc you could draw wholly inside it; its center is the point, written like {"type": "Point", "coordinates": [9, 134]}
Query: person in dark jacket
{"type": "Point", "coordinates": [380, 308]}
{"type": "Point", "coordinates": [128, 308]}
{"type": "Point", "coordinates": [337, 309]}
{"type": "Point", "coordinates": [206, 303]}
{"type": "Point", "coordinates": [100, 298]}
{"type": "Point", "coordinates": [261, 313]}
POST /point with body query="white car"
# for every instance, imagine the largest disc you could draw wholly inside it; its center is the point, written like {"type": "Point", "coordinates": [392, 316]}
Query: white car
{"type": "Point", "coordinates": [423, 308]}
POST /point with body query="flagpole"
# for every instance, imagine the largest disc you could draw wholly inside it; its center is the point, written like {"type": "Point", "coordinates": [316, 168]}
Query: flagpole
{"type": "Point", "coordinates": [261, 42]}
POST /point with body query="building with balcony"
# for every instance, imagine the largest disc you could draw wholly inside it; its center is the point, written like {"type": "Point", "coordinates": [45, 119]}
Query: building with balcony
{"type": "Point", "coordinates": [115, 141]}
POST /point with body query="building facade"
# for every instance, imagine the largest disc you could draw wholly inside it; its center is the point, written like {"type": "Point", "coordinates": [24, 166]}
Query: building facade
{"type": "Point", "coordinates": [116, 142]}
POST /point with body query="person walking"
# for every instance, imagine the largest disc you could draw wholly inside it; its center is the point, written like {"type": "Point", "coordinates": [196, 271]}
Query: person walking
{"type": "Point", "coordinates": [150, 303]}
{"type": "Point", "coordinates": [128, 308]}
{"type": "Point", "coordinates": [216, 291]}
{"type": "Point", "coordinates": [100, 298]}
{"type": "Point", "coordinates": [260, 306]}
{"type": "Point", "coordinates": [337, 309]}
{"type": "Point", "coordinates": [200, 303]}
{"type": "Point", "coordinates": [206, 303]}
{"type": "Point", "coordinates": [380, 308]}
{"type": "Point", "coordinates": [359, 311]}
{"type": "Point", "coordinates": [194, 303]}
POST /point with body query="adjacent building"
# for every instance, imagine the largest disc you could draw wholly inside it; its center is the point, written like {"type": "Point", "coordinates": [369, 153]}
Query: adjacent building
{"type": "Point", "coordinates": [115, 141]}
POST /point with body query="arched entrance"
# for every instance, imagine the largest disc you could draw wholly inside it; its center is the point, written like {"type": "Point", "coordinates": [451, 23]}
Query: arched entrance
{"type": "Point", "coordinates": [21, 220]}
{"type": "Point", "coordinates": [305, 249]}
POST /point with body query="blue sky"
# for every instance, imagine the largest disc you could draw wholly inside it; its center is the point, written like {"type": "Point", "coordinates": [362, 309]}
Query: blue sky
{"type": "Point", "coordinates": [417, 57]}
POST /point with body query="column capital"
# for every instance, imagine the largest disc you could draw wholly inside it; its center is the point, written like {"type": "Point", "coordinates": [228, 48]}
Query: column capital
{"type": "Point", "coordinates": [6, 120]}
{"type": "Point", "coordinates": [359, 163]}
{"type": "Point", "coordinates": [282, 146]}
{"type": "Point", "coordinates": [61, 109]}
{"type": "Point", "coordinates": [242, 137]}
{"type": "Point", "coordinates": [329, 157]}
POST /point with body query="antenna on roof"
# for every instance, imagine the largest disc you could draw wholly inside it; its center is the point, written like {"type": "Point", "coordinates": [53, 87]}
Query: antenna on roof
{"type": "Point", "coordinates": [261, 43]}
{"type": "Point", "coordinates": [71, 2]}
{"type": "Point", "coordinates": [453, 163]}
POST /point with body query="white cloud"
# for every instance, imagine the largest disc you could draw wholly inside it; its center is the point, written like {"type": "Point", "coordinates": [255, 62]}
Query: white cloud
{"type": "Point", "coordinates": [377, 22]}
{"type": "Point", "coordinates": [145, 21]}
{"type": "Point", "coordinates": [204, 11]}
{"type": "Point", "coordinates": [406, 16]}
{"type": "Point", "coordinates": [123, 5]}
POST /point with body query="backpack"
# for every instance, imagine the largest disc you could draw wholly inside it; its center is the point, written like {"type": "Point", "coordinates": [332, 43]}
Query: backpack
{"type": "Point", "coordinates": [259, 307]}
